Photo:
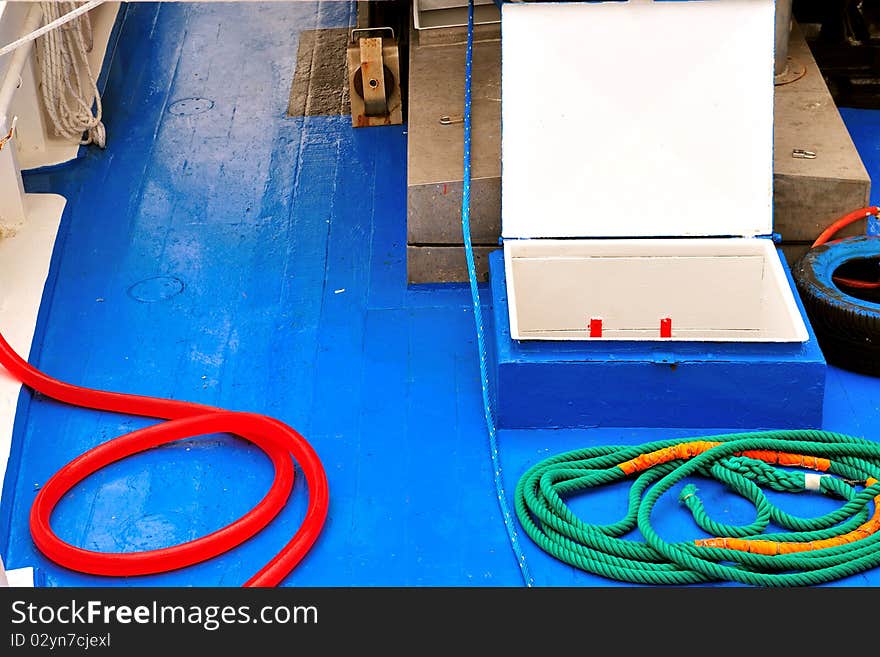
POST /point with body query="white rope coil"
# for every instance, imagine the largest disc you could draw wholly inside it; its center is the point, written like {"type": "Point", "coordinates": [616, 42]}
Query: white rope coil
{"type": "Point", "coordinates": [62, 54]}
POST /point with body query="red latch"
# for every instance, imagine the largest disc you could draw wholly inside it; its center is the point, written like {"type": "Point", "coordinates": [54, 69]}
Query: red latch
{"type": "Point", "coordinates": [666, 327]}
{"type": "Point", "coordinates": [595, 328]}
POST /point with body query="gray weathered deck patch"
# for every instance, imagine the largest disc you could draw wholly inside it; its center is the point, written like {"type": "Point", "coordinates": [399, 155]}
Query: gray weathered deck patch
{"type": "Point", "coordinates": [320, 83]}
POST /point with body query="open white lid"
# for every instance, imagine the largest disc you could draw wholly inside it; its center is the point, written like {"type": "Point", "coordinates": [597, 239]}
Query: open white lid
{"type": "Point", "coordinates": [637, 119]}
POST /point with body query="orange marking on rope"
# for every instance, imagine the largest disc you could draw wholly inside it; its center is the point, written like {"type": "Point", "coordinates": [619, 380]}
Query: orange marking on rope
{"type": "Point", "coordinates": [784, 458]}
{"type": "Point", "coordinates": [681, 451]}
{"type": "Point", "coordinates": [773, 548]}
{"type": "Point", "coordinates": [689, 450]}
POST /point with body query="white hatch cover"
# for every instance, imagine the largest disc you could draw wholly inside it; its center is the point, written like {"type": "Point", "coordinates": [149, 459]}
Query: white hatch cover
{"type": "Point", "coordinates": [637, 119]}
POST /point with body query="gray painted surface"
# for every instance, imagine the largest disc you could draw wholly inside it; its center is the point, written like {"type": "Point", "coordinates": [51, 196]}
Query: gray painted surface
{"type": "Point", "coordinates": [320, 82]}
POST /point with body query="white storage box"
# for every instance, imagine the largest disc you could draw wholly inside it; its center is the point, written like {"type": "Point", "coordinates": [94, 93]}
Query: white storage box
{"type": "Point", "coordinates": [650, 123]}
{"type": "Point", "coordinates": [709, 289]}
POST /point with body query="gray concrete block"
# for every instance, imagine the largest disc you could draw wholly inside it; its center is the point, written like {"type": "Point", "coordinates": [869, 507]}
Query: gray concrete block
{"type": "Point", "coordinates": [809, 194]}
{"type": "Point", "coordinates": [436, 89]}
{"type": "Point", "coordinates": [434, 212]}
{"type": "Point", "coordinates": [444, 264]}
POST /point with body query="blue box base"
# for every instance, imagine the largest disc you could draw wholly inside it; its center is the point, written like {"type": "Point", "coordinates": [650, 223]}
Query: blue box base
{"type": "Point", "coordinates": [580, 384]}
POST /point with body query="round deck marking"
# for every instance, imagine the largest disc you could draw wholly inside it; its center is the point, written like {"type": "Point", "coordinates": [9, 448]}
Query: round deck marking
{"type": "Point", "coordinates": [156, 288]}
{"type": "Point", "coordinates": [189, 106]}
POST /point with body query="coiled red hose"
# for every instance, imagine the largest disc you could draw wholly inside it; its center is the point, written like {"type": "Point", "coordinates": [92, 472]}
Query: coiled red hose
{"type": "Point", "coordinates": [185, 420]}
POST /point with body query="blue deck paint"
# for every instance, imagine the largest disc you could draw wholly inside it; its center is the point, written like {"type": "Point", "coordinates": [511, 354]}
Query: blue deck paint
{"type": "Point", "coordinates": [546, 385]}
{"type": "Point", "coordinates": [263, 218]}
{"type": "Point", "coordinates": [864, 127]}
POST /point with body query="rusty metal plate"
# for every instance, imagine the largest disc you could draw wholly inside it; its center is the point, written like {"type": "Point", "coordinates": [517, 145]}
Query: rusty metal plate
{"type": "Point", "coordinates": [363, 116]}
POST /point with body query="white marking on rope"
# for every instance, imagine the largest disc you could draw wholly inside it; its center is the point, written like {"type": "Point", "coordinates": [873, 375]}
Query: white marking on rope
{"type": "Point", "coordinates": [813, 481]}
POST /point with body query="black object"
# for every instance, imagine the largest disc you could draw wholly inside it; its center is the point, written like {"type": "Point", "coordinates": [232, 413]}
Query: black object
{"type": "Point", "coordinates": [846, 48]}
{"type": "Point", "coordinates": [359, 82]}
{"type": "Point", "coordinates": [846, 320]}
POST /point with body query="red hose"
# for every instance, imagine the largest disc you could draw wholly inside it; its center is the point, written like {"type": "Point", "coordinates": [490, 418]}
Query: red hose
{"type": "Point", "coordinates": [843, 222]}
{"type": "Point", "coordinates": [840, 224]}
{"type": "Point", "coordinates": [185, 420]}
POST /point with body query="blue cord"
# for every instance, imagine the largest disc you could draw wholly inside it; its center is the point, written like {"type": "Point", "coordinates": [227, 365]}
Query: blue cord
{"type": "Point", "coordinates": [478, 310]}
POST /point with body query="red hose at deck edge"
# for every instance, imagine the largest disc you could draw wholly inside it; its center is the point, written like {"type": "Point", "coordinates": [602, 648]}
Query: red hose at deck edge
{"type": "Point", "coordinates": [184, 420]}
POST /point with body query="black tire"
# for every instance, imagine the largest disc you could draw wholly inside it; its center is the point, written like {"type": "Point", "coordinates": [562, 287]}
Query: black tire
{"type": "Point", "coordinates": [848, 328]}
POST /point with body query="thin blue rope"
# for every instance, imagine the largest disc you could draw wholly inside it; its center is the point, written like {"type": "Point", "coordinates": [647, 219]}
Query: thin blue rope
{"type": "Point", "coordinates": [478, 310]}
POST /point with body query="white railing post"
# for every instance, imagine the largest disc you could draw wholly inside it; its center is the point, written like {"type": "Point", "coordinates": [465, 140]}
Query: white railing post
{"type": "Point", "coordinates": [12, 209]}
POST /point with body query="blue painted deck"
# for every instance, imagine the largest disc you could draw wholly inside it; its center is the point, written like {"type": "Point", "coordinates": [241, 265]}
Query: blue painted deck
{"type": "Point", "coordinates": [287, 237]}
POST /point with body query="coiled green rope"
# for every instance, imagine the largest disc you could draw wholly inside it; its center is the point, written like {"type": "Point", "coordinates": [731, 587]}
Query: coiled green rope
{"type": "Point", "coordinates": [848, 540]}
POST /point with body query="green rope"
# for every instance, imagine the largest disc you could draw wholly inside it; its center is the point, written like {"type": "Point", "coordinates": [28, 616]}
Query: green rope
{"type": "Point", "coordinates": [543, 512]}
